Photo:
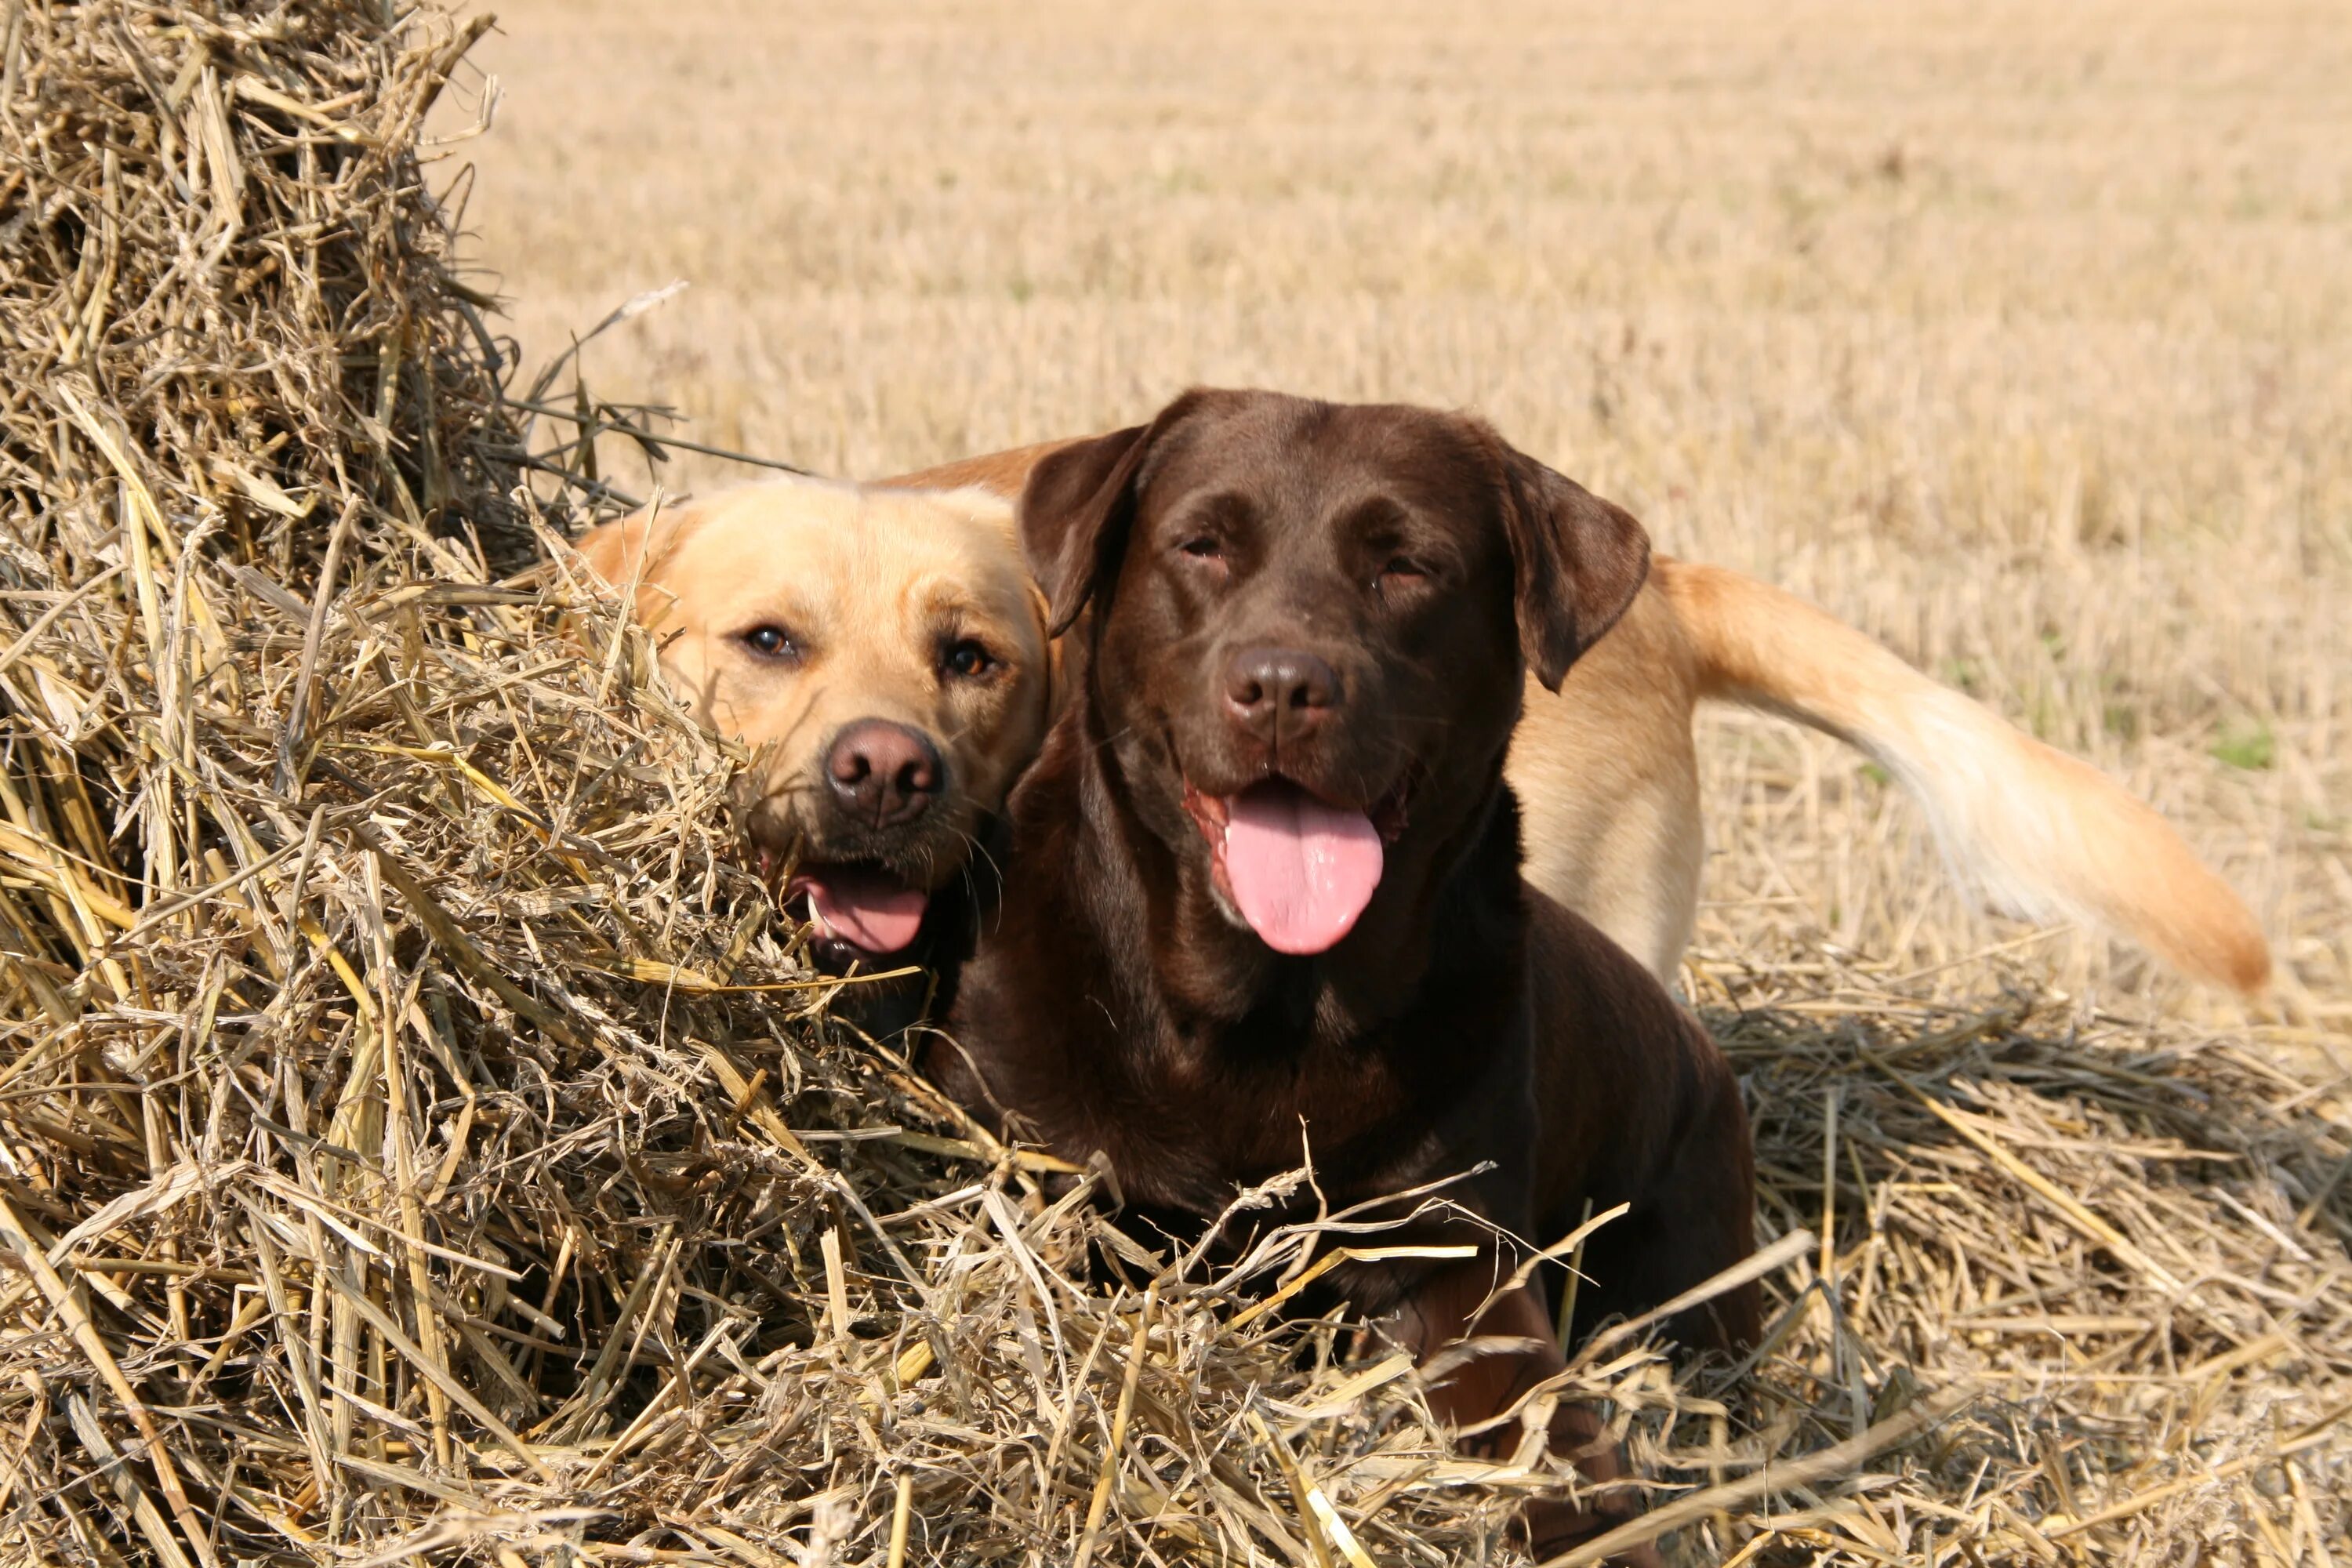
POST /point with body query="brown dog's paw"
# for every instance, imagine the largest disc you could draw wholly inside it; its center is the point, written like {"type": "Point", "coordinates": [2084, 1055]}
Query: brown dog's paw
{"type": "Point", "coordinates": [1551, 1526]}
{"type": "Point", "coordinates": [1554, 1525]}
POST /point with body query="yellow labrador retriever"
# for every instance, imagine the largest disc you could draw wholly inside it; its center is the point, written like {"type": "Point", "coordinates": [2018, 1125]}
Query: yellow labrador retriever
{"type": "Point", "coordinates": [886, 647]}
{"type": "Point", "coordinates": [884, 650]}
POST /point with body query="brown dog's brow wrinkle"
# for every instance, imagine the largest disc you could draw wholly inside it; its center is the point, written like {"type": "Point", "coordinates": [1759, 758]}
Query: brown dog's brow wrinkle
{"type": "Point", "coordinates": [1380, 518]}
{"type": "Point", "coordinates": [1228, 518]}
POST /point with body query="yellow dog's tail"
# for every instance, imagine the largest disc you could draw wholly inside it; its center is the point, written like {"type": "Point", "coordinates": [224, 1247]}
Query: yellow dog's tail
{"type": "Point", "coordinates": [2043, 833]}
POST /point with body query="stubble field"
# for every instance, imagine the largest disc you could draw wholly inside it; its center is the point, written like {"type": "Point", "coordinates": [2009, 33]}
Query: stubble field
{"type": "Point", "coordinates": [2016, 338]}
{"type": "Point", "coordinates": [374, 966]}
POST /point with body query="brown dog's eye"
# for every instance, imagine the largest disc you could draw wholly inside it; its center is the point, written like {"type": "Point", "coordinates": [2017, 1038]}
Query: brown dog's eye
{"type": "Point", "coordinates": [1402, 569]}
{"type": "Point", "coordinates": [771, 642]}
{"type": "Point", "coordinates": [1204, 548]}
{"type": "Point", "coordinates": [967, 658]}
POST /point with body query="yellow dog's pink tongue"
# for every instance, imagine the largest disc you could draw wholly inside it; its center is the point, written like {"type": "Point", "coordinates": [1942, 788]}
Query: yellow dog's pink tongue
{"type": "Point", "coordinates": [870, 910]}
{"type": "Point", "coordinates": [1301, 868]}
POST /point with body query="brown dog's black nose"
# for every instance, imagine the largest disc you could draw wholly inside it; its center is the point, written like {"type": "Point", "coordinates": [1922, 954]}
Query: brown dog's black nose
{"type": "Point", "coordinates": [883, 774]}
{"type": "Point", "coordinates": [1280, 692]}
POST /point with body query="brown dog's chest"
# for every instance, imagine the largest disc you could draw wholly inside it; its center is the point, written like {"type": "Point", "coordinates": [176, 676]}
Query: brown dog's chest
{"type": "Point", "coordinates": [1189, 1111]}
{"type": "Point", "coordinates": [1191, 1120]}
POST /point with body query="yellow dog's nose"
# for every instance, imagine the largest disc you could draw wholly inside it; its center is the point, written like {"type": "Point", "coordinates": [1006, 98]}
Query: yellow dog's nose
{"type": "Point", "coordinates": [882, 773]}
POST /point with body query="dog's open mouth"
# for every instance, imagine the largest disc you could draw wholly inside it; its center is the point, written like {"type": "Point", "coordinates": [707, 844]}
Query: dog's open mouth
{"type": "Point", "coordinates": [865, 912]}
{"type": "Point", "coordinates": [1299, 869]}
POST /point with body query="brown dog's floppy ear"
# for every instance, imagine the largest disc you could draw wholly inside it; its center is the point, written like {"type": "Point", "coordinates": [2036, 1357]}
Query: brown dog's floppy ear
{"type": "Point", "coordinates": [1576, 562]}
{"type": "Point", "coordinates": [1077, 504]}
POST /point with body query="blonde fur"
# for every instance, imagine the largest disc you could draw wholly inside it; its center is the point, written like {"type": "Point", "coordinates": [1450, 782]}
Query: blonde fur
{"type": "Point", "coordinates": [1607, 779]}
{"type": "Point", "coordinates": [2042, 834]}
{"type": "Point", "coordinates": [1606, 770]}
{"type": "Point", "coordinates": [870, 585]}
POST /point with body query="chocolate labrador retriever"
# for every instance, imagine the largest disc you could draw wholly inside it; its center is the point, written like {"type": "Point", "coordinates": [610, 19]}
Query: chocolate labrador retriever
{"type": "Point", "coordinates": [1262, 897]}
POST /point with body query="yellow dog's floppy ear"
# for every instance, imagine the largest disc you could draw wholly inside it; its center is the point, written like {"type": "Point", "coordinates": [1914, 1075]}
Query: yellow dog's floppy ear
{"type": "Point", "coordinates": [616, 550]}
{"type": "Point", "coordinates": [628, 552]}
{"type": "Point", "coordinates": [1057, 683]}
{"type": "Point", "coordinates": [610, 548]}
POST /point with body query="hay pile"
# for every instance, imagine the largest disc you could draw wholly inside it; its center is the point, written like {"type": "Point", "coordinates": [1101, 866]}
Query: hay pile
{"type": "Point", "coordinates": [419, 1140]}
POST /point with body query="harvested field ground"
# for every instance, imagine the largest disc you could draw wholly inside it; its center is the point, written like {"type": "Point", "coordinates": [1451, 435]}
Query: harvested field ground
{"type": "Point", "coordinates": [2016, 338]}
{"type": "Point", "coordinates": [419, 1140]}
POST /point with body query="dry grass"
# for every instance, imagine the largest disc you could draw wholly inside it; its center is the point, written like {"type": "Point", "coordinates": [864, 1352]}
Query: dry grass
{"type": "Point", "coordinates": [2015, 338]}
{"type": "Point", "coordinates": [393, 1079]}
{"type": "Point", "coordinates": [420, 1143]}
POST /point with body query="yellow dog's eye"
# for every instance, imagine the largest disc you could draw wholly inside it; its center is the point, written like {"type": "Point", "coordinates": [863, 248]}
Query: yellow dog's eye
{"type": "Point", "coordinates": [967, 658]}
{"type": "Point", "coordinates": [771, 642]}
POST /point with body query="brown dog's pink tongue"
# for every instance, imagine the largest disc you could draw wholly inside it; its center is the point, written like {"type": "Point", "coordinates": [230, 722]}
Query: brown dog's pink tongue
{"type": "Point", "coordinates": [1301, 868]}
{"type": "Point", "coordinates": [871, 912]}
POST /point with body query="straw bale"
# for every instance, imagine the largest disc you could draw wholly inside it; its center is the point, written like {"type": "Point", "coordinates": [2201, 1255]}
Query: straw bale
{"type": "Point", "coordinates": [421, 1140]}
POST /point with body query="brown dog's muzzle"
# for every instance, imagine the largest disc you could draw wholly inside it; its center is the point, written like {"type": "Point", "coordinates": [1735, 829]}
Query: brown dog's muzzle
{"type": "Point", "coordinates": [1281, 697]}
{"type": "Point", "coordinates": [1274, 708]}
{"type": "Point", "coordinates": [1294, 796]}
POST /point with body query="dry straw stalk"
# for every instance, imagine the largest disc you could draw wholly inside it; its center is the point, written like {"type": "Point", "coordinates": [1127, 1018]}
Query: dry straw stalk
{"type": "Point", "coordinates": [420, 1141]}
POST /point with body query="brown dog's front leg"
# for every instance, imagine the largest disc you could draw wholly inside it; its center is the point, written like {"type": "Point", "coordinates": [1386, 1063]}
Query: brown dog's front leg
{"type": "Point", "coordinates": [1438, 1315]}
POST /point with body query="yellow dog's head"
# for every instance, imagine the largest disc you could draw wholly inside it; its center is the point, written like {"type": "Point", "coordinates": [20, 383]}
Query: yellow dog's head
{"type": "Point", "coordinates": [885, 653]}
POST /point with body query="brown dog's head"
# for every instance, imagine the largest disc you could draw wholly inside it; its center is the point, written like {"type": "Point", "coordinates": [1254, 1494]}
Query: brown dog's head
{"type": "Point", "coordinates": [1312, 623]}
{"type": "Point", "coordinates": [886, 653]}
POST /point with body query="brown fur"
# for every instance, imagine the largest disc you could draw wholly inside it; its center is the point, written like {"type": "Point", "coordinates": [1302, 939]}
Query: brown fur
{"type": "Point", "coordinates": [1607, 772]}
{"type": "Point", "coordinates": [1467, 1025]}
